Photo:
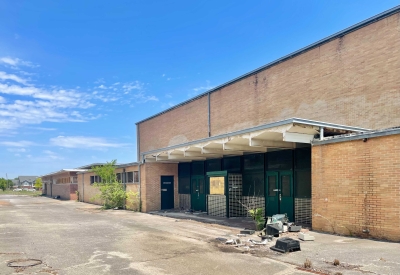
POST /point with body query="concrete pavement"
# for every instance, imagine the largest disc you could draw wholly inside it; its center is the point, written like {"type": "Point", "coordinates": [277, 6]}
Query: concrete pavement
{"type": "Point", "coordinates": [76, 238]}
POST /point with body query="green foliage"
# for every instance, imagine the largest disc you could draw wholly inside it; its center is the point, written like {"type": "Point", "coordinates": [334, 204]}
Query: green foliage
{"type": "Point", "coordinates": [112, 192]}
{"type": "Point", "coordinates": [38, 183]}
{"type": "Point", "coordinates": [133, 201]}
{"type": "Point", "coordinates": [256, 214]}
{"type": "Point", "coordinates": [106, 172]}
{"type": "Point", "coordinates": [3, 184]}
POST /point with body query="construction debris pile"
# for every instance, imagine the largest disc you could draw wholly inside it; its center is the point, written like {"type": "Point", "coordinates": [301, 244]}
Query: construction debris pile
{"type": "Point", "coordinates": [278, 234]}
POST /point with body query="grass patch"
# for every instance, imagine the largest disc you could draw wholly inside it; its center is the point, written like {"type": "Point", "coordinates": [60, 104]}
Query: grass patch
{"type": "Point", "coordinates": [21, 193]}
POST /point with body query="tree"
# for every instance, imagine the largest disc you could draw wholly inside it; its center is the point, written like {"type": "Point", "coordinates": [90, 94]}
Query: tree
{"type": "Point", "coordinates": [112, 192]}
{"type": "Point", "coordinates": [38, 183]}
{"type": "Point", "coordinates": [3, 184]}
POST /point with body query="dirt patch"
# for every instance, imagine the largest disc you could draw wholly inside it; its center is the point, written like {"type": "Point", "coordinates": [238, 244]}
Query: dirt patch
{"type": "Point", "coordinates": [5, 203]}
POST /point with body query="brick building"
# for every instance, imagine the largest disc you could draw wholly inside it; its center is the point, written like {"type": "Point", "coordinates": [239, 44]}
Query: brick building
{"type": "Point", "coordinates": [296, 136]}
{"type": "Point", "coordinates": [127, 174]}
{"type": "Point", "coordinates": [61, 184]}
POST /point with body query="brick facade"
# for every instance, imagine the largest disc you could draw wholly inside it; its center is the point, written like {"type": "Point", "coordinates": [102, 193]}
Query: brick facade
{"type": "Point", "coordinates": [352, 80]}
{"type": "Point", "coordinates": [356, 187]}
{"type": "Point", "coordinates": [61, 184]}
{"type": "Point", "coordinates": [87, 191]}
{"type": "Point", "coordinates": [150, 174]}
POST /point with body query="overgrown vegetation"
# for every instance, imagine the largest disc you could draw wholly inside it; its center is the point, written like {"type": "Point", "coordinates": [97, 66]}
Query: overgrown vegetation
{"type": "Point", "coordinates": [133, 201]}
{"type": "Point", "coordinates": [257, 215]}
{"type": "Point", "coordinates": [38, 183]}
{"type": "Point", "coordinates": [5, 184]}
{"type": "Point", "coordinates": [112, 192]}
{"type": "Point", "coordinates": [307, 264]}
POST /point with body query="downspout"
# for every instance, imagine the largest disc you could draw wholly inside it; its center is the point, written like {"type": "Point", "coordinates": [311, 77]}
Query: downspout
{"type": "Point", "coordinates": [139, 162]}
{"type": "Point", "coordinates": [83, 186]}
{"type": "Point", "coordinates": [124, 182]}
{"type": "Point", "coordinates": [209, 116]}
{"type": "Point", "coordinates": [321, 133]}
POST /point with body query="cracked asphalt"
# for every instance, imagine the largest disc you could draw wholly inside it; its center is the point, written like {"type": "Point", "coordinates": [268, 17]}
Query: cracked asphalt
{"type": "Point", "coordinates": [77, 238]}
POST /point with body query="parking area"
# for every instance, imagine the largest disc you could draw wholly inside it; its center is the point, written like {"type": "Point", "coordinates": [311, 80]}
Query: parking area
{"type": "Point", "coordinates": [40, 235]}
{"type": "Point", "coordinates": [69, 237]}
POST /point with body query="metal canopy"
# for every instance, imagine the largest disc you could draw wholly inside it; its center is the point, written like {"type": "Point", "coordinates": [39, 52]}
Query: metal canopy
{"type": "Point", "coordinates": [279, 135]}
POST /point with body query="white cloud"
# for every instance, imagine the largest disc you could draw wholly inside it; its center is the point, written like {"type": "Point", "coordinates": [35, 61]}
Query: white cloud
{"type": "Point", "coordinates": [2, 100]}
{"type": "Point", "coordinates": [13, 77]}
{"type": "Point", "coordinates": [16, 62]}
{"type": "Point", "coordinates": [43, 128]}
{"type": "Point", "coordinates": [39, 105]}
{"type": "Point", "coordinates": [84, 142]}
{"type": "Point", "coordinates": [99, 81]}
{"type": "Point", "coordinates": [203, 88]}
{"type": "Point", "coordinates": [197, 90]}
{"type": "Point", "coordinates": [52, 155]}
{"type": "Point", "coordinates": [136, 85]}
{"type": "Point", "coordinates": [22, 143]}
{"type": "Point", "coordinates": [102, 87]}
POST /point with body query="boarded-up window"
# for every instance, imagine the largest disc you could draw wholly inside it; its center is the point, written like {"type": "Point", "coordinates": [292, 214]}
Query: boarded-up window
{"type": "Point", "coordinates": [217, 185]}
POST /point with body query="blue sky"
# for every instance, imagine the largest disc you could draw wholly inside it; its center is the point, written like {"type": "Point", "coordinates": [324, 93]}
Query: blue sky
{"type": "Point", "coordinates": [75, 76]}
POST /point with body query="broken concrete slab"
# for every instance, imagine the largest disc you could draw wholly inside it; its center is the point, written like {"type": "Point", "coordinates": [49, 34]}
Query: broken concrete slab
{"type": "Point", "coordinates": [305, 237]}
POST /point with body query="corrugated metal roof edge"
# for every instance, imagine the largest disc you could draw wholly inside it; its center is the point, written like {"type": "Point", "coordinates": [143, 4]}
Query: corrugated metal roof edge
{"type": "Point", "coordinates": [350, 29]}
{"type": "Point", "coordinates": [358, 136]}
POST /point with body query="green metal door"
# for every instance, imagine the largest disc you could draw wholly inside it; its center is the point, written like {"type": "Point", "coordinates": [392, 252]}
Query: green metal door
{"type": "Point", "coordinates": [279, 197]}
{"type": "Point", "coordinates": [272, 196]}
{"type": "Point", "coordinates": [286, 203]}
{"type": "Point", "coordinates": [198, 194]}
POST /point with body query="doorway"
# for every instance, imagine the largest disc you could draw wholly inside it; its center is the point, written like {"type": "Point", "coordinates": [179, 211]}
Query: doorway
{"type": "Point", "coordinates": [279, 194]}
{"type": "Point", "coordinates": [167, 192]}
{"type": "Point", "coordinates": [198, 193]}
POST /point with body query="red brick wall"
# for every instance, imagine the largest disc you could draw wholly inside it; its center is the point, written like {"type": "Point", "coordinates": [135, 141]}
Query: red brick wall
{"type": "Point", "coordinates": [353, 80]}
{"type": "Point", "coordinates": [151, 184]}
{"type": "Point", "coordinates": [356, 186]}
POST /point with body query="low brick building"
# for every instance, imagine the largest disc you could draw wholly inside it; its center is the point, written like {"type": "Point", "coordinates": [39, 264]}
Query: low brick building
{"type": "Point", "coordinates": [289, 138]}
{"type": "Point", "coordinates": [62, 184]}
{"type": "Point", "coordinates": [127, 174]}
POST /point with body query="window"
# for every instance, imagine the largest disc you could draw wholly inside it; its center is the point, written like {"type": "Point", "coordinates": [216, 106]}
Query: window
{"type": "Point", "coordinates": [213, 165]}
{"type": "Point", "coordinates": [303, 184]}
{"type": "Point", "coordinates": [217, 185]}
{"type": "Point", "coordinates": [253, 184]}
{"type": "Point", "coordinates": [136, 176]}
{"type": "Point", "coordinates": [95, 179]}
{"type": "Point", "coordinates": [184, 185]}
{"type": "Point", "coordinates": [130, 177]}
{"type": "Point", "coordinates": [232, 164]}
{"type": "Point", "coordinates": [280, 160]}
{"type": "Point", "coordinates": [119, 177]}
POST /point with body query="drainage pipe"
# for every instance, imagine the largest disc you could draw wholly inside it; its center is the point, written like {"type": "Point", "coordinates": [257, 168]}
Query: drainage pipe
{"type": "Point", "coordinates": [321, 133]}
